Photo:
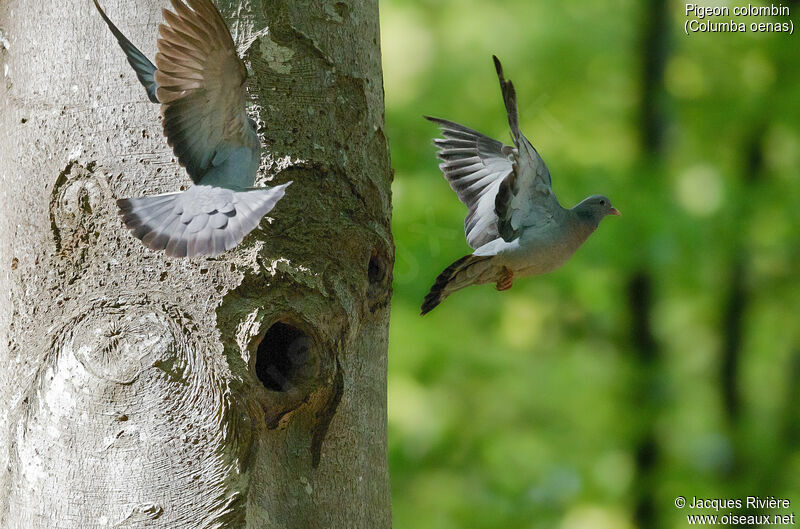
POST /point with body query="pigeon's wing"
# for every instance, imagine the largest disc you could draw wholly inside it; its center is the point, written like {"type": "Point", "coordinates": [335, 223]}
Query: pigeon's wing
{"type": "Point", "coordinates": [525, 197]}
{"type": "Point", "coordinates": [475, 166]}
{"type": "Point", "coordinates": [203, 220]}
{"type": "Point", "coordinates": [201, 86]}
{"type": "Point", "coordinates": [145, 70]}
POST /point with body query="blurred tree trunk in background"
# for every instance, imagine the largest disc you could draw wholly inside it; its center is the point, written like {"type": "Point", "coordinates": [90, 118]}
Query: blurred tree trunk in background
{"type": "Point", "coordinates": [738, 299]}
{"type": "Point", "coordinates": [142, 391]}
{"type": "Point", "coordinates": [648, 387]}
{"type": "Point", "coordinates": [765, 474]}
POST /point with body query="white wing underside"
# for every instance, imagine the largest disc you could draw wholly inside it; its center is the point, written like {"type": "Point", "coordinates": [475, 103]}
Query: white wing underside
{"type": "Point", "coordinates": [506, 189]}
{"type": "Point", "coordinates": [474, 166]}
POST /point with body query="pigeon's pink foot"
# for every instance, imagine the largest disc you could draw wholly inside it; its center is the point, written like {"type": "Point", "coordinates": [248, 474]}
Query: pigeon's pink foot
{"type": "Point", "coordinates": [506, 280]}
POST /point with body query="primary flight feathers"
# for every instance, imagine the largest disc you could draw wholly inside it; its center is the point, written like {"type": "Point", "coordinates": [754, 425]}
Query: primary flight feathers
{"type": "Point", "coordinates": [515, 224]}
{"type": "Point", "coordinates": [199, 81]}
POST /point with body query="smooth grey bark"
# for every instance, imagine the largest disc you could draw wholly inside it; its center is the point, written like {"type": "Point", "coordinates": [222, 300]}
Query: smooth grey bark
{"type": "Point", "coordinates": [142, 391]}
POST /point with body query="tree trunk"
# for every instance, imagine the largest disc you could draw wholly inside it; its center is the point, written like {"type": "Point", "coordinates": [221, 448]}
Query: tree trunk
{"type": "Point", "coordinates": [143, 391]}
{"type": "Point", "coordinates": [648, 384]}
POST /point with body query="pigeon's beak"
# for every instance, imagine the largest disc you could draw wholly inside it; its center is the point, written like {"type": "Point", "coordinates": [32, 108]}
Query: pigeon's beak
{"type": "Point", "coordinates": [615, 211]}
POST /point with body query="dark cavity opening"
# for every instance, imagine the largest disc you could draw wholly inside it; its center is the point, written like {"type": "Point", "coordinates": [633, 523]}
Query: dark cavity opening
{"type": "Point", "coordinates": [376, 270]}
{"type": "Point", "coordinates": [282, 356]}
{"type": "Point", "coordinates": [342, 9]}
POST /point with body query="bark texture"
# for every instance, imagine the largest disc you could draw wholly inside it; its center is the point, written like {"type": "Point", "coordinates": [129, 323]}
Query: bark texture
{"type": "Point", "coordinates": [142, 391]}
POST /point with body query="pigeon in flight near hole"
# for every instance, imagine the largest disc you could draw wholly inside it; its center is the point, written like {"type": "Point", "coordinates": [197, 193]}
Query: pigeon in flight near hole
{"type": "Point", "coordinates": [515, 224]}
{"type": "Point", "coordinates": [199, 81]}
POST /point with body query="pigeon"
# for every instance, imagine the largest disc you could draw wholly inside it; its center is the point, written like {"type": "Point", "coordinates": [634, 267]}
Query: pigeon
{"type": "Point", "coordinates": [515, 224]}
{"type": "Point", "coordinates": [199, 81]}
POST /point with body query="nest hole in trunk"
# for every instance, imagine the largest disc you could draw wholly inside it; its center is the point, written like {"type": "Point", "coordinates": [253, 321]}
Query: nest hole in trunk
{"type": "Point", "coordinates": [282, 357]}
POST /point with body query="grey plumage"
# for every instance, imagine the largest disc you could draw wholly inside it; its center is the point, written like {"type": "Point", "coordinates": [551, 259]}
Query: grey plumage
{"type": "Point", "coordinates": [145, 70]}
{"type": "Point", "coordinates": [203, 220]}
{"type": "Point", "coordinates": [462, 273]}
{"type": "Point", "coordinates": [199, 81]}
{"type": "Point", "coordinates": [475, 166]}
{"type": "Point", "coordinates": [515, 224]}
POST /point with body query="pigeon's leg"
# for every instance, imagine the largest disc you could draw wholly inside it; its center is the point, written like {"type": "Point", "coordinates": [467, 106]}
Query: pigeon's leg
{"type": "Point", "coordinates": [506, 280]}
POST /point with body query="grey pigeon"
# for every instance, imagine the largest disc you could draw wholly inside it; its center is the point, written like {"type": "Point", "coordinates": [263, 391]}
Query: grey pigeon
{"type": "Point", "coordinates": [515, 224]}
{"type": "Point", "coordinates": [199, 81]}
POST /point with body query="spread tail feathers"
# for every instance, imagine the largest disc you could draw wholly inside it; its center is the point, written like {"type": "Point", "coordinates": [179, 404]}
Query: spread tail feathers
{"type": "Point", "coordinates": [465, 272]}
{"type": "Point", "coordinates": [203, 220]}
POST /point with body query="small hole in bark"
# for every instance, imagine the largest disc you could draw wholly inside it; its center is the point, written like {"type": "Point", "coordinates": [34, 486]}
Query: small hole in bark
{"type": "Point", "coordinates": [379, 275]}
{"type": "Point", "coordinates": [282, 357]}
{"type": "Point", "coordinates": [376, 269]}
{"type": "Point", "coordinates": [342, 9]}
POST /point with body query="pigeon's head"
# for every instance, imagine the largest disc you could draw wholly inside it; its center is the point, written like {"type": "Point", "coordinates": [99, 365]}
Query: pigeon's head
{"type": "Point", "coordinates": [595, 208]}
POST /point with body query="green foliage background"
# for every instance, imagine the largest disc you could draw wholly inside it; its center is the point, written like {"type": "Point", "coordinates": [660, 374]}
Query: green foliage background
{"type": "Point", "coordinates": [533, 408]}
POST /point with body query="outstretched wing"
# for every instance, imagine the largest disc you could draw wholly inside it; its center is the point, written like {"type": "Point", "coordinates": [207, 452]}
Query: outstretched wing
{"type": "Point", "coordinates": [145, 70]}
{"type": "Point", "coordinates": [525, 197]}
{"type": "Point", "coordinates": [475, 166]}
{"type": "Point", "coordinates": [201, 86]}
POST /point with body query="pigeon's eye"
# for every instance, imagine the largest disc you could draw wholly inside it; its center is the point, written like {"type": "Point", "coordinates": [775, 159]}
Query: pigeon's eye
{"type": "Point", "coordinates": [602, 202]}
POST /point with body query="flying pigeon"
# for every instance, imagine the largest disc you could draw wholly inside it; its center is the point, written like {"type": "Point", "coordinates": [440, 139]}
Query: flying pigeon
{"type": "Point", "coordinates": [515, 224]}
{"type": "Point", "coordinates": [199, 81]}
